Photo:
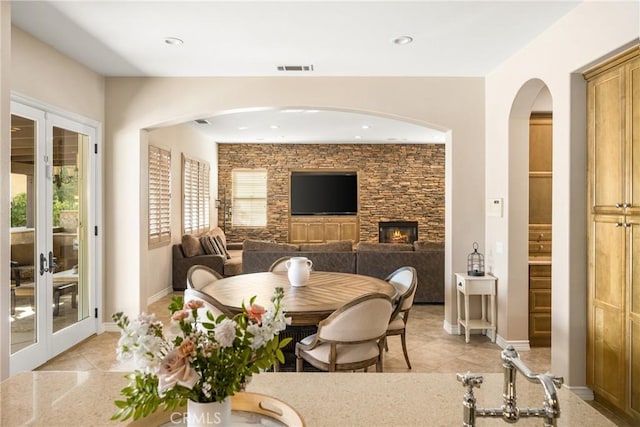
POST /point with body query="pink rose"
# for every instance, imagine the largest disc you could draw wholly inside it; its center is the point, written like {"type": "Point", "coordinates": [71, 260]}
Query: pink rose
{"type": "Point", "coordinates": [193, 304]}
{"type": "Point", "coordinates": [175, 369]}
{"type": "Point", "coordinates": [180, 315]}
{"type": "Point", "coordinates": [187, 348]}
{"type": "Point", "coordinates": [255, 312]}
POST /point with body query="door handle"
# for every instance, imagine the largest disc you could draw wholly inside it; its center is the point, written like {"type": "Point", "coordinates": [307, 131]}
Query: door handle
{"type": "Point", "coordinates": [43, 264]}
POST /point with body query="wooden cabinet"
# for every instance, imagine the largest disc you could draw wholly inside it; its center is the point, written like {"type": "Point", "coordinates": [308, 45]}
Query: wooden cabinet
{"type": "Point", "coordinates": [318, 229]}
{"type": "Point", "coordinates": [540, 304]}
{"type": "Point", "coordinates": [540, 208]}
{"type": "Point", "coordinates": [613, 330]}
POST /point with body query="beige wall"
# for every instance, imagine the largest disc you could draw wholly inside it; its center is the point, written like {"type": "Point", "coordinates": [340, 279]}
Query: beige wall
{"type": "Point", "coordinates": [179, 139]}
{"type": "Point", "coordinates": [450, 104]}
{"type": "Point", "coordinates": [592, 31]}
{"type": "Point", "coordinates": [395, 182]}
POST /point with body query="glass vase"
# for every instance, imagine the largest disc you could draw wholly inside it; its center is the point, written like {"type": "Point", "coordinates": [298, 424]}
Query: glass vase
{"type": "Point", "coordinates": [209, 414]}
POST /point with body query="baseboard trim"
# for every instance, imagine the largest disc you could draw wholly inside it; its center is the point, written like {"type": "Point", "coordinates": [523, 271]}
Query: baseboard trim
{"type": "Point", "coordinates": [159, 295]}
{"type": "Point", "coordinates": [518, 345]}
{"type": "Point", "coordinates": [583, 392]}
{"type": "Point", "coordinates": [110, 327]}
{"type": "Point", "coordinates": [451, 329]}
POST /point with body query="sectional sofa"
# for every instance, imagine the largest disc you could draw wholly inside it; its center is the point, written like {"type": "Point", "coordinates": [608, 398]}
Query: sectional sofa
{"type": "Point", "coordinates": [371, 259]}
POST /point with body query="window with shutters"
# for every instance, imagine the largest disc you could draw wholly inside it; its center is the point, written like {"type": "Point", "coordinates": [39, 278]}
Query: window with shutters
{"type": "Point", "coordinates": [159, 196]}
{"type": "Point", "coordinates": [249, 208]}
{"type": "Point", "coordinates": [195, 196]}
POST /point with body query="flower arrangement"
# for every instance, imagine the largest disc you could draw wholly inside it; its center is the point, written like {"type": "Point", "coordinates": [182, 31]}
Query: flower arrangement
{"type": "Point", "coordinates": [208, 359]}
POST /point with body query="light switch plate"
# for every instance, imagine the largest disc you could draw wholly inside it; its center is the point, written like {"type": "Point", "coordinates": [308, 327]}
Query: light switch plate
{"type": "Point", "coordinates": [494, 207]}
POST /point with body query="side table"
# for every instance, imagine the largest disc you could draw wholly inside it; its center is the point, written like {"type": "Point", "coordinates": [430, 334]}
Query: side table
{"type": "Point", "coordinates": [485, 286]}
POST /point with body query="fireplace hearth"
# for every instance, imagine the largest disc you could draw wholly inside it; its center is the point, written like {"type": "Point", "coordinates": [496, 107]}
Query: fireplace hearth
{"type": "Point", "coordinates": [397, 231]}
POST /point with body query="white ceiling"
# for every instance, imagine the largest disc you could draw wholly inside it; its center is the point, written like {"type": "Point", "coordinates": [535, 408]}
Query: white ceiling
{"type": "Point", "coordinates": [338, 38]}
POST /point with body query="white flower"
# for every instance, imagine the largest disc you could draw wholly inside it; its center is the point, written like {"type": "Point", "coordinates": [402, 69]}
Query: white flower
{"type": "Point", "coordinates": [225, 332]}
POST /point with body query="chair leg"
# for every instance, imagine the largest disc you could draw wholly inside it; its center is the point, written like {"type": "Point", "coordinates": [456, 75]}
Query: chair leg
{"type": "Point", "coordinates": [13, 301]}
{"type": "Point", "coordinates": [404, 349]}
{"type": "Point", "coordinates": [299, 363]}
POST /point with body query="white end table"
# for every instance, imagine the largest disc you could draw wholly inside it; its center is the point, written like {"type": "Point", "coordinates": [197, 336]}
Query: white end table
{"type": "Point", "coordinates": [485, 286]}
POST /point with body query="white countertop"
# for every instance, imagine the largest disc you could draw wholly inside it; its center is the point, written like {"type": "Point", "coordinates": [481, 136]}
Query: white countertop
{"type": "Point", "coordinates": [55, 398]}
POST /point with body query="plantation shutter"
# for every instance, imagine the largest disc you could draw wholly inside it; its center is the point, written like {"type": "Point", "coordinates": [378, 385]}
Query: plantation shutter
{"type": "Point", "coordinates": [249, 198]}
{"type": "Point", "coordinates": [159, 196]}
{"type": "Point", "coordinates": [195, 196]}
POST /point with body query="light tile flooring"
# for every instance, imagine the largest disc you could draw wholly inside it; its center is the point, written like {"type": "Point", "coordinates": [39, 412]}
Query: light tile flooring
{"type": "Point", "coordinates": [431, 349]}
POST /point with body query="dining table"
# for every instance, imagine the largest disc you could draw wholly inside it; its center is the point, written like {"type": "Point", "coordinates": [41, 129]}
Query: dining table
{"type": "Point", "coordinates": [306, 305]}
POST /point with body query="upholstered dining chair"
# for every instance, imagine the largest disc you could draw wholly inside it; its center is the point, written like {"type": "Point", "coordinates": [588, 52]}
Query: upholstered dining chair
{"type": "Point", "coordinates": [405, 280]}
{"type": "Point", "coordinates": [210, 303]}
{"type": "Point", "coordinates": [279, 264]}
{"type": "Point", "coordinates": [199, 276]}
{"type": "Point", "coordinates": [351, 338]}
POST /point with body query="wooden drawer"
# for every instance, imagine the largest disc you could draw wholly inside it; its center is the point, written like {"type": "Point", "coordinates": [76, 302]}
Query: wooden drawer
{"type": "Point", "coordinates": [539, 235]}
{"type": "Point", "coordinates": [540, 270]}
{"type": "Point", "coordinates": [539, 248]}
{"type": "Point", "coordinates": [540, 283]}
{"type": "Point", "coordinates": [540, 329]}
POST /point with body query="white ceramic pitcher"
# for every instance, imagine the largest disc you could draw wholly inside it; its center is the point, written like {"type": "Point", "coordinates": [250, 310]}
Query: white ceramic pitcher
{"type": "Point", "coordinates": [298, 270]}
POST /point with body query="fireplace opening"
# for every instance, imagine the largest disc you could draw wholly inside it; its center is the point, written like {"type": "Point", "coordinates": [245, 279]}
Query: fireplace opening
{"type": "Point", "coordinates": [397, 231]}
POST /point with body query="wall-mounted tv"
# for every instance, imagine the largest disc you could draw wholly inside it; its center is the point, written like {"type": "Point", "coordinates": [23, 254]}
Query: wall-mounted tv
{"type": "Point", "coordinates": [324, 193]}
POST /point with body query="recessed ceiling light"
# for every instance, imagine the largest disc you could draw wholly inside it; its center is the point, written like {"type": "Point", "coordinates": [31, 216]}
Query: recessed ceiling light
{"type": "Point", "coordinates": [365, 126]}
{"type": "Point", "coordinates": [274, 127]}
{"type": "Point", "coordinates": [243, 127]}
{"type": "Point", "coordinates": [313, 111]}
{"type": "Point", "coordinates": [173, 41]}
{"type": "Point", "coordinates": [403, 40]}
{"type": "Point", "coordinates": [357, 137]}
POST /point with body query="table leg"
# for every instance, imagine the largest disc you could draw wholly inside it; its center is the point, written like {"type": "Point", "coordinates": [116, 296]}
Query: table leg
{"type": "Point", "coordinates": [466, 317]}
{"type": "Point", "coordinates": [459, 295]}
{"type": "Point", "coordinates": [493, 318]}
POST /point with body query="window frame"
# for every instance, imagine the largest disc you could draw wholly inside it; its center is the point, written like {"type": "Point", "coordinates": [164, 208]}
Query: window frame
{"type": "Point", "coordinates": [249, 202]}
{"type": "Point", "coordinates": [196, 195]}
{"type": "Point", "coordinates": [159, 202]}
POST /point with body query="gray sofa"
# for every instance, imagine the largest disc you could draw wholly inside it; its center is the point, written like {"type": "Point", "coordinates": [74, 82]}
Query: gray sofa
{"type": "Point", "coordinates": [192, 252]}
{"type": "Point", "coordinates": [371, 259]}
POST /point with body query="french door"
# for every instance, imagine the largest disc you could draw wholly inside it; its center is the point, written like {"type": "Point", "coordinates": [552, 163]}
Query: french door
{"type": "Point", "coordinates": [53, 280]}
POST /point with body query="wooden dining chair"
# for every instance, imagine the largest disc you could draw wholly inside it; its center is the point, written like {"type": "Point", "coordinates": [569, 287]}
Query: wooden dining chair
{"type": "Point", "coordinates": [280, 264]}
{"type": "Point", "coordinates": [351, 338]}
{"type": "Point", "coordinates": [210, 303]}
{"type": "Point", "coordinates": [199, 276]}
{"type": "Point", "coordinates": [405, 280]}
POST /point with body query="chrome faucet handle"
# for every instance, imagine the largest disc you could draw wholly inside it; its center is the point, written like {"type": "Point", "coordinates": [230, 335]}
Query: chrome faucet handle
{"type": "Point", "coordinates": [558, 381]}
{"type": "Point", "coordinates": [470, 380]}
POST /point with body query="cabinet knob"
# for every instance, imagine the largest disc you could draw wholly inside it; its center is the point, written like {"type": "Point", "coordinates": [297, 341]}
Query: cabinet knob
{"type": "Point", "coordinates": [626, 205]}
{"type": "Point", "coordinates": [619, 205]}
{"type": "Point", "coordinates": [541, 235]}
{"type": "Point", "coordinates": [618, 224]}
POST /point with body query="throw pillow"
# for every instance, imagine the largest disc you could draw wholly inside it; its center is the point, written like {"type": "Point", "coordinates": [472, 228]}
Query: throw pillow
{"type": "Point", "coordinates": [221, 246]}
{"type": "Point", "coordinates": [208, 246]}
{"type": "Point", "coordinates": [191, 246]}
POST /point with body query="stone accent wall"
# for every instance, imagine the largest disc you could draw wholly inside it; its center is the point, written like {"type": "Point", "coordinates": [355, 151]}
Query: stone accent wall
{"type": "Point", "coordinates": [397, 182]}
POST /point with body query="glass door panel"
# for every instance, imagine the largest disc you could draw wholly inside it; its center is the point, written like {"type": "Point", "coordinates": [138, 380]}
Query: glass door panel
{"type": "Point", "coordinates": [22, 235]}
{"type": "Point", "coordinates": [70, 295]}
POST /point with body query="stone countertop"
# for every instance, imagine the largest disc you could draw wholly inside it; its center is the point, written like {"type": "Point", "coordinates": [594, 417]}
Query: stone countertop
{"type": "Point", "coordinates": [55, 398]}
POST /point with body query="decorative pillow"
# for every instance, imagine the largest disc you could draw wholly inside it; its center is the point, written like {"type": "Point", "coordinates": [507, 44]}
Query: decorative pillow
{"type": "Point", "coordinates": [217, 232]}
{"type": "Point", "coordinates": [191, 246]}
{"type": "Point", "coordinates": [427, 246]}
{"type": "Point", "coordinates": [330, 246]}
{"type": "Point", "coordinates": [208, 245]}
{"type": "Point", "coordinates": [263, 246]}
{"type": "Point", "coordinates": [384, 247]}
{"type": "Point", "coordinates": [223, 249]}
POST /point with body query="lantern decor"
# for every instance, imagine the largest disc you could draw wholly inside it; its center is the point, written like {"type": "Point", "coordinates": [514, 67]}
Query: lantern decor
{"type": "Point", "coordinates": [475, 262]}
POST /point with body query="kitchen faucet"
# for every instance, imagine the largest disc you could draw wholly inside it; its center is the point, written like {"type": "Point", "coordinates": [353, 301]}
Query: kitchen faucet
{"type": "Point", "coordinates": [509, 411]}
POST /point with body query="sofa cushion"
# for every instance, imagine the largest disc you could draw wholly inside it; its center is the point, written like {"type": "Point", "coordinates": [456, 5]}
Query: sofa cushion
{"type": "Point", "coordinates": [427, 246]}
{"type": "Point", "coordinates": [191, 246]}
{"type": "Point", "coordinates": [330, 246]}
{"type": "Point", "coordinates": [384, 247]}
{"type": "Point", "coordinates": [233, 265]}
{"type": "Point", "coordinates": [264, 246]}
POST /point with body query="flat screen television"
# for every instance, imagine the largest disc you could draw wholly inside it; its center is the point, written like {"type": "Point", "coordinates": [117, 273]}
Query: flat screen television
{"type": "Point", "coordinates": [324, 193]}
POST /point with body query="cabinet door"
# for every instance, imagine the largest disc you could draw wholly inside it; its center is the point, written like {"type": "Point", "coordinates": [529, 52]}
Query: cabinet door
{"type": "Point", "coordinates": [634, 312]}
{"type": "Point", "coordinates": [633, 158]}
{"type": "Point", "coordinates": [606, 141]}
{"type": "Point", "coordinates": [606, 370]}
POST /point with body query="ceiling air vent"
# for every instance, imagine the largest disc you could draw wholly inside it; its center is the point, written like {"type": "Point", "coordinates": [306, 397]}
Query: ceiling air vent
{"type": "Point", "coordinates": [295, 67]}
{"type": "Point", "coordinates": [202, 121]}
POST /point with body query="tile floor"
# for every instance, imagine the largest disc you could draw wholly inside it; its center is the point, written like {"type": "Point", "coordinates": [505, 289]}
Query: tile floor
{"type": "Point", "coordinates": [431, 349]}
